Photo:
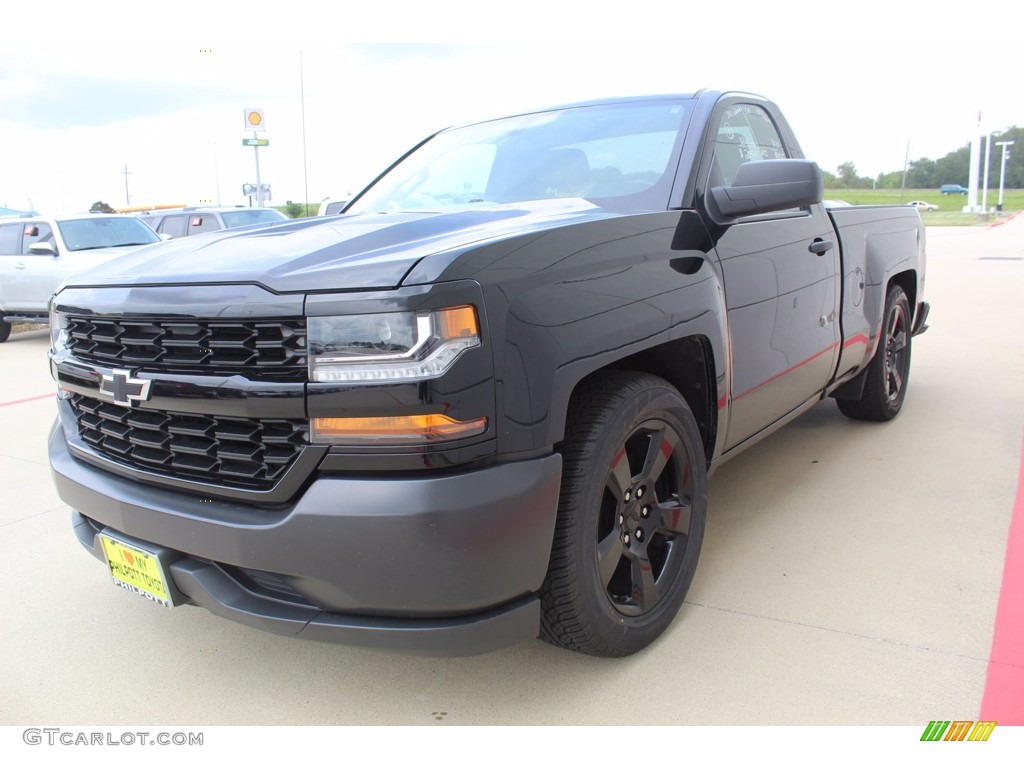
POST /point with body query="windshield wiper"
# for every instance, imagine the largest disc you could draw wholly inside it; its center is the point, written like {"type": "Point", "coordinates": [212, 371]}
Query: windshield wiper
{"type": "Point", "coordinates": [112, 245]}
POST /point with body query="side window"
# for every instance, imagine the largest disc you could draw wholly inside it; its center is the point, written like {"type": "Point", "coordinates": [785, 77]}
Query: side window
{"type": "Point", "coordinates": [10, 239]}
{"type": "Point", "coordinates": [203, 222]}
{"type": "Point", "coordinates": [175, 226]}
{"type": "Point", "coordinates": [745, 133]}
{"type": "Point", "coordinates": [36, 233]}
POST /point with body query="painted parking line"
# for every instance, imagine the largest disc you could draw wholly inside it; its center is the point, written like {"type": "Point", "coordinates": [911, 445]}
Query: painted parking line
{"type": "Point", "coordinates": [1000, 222]}
{"type": "Point", "coordinates": [26, 400]}
{"type": "Point", "coordinates": [1004, 684]}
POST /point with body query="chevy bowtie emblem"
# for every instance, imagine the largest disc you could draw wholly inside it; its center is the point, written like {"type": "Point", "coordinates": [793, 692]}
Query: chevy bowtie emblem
{"type": "Point", "coordinates": [123, 389]}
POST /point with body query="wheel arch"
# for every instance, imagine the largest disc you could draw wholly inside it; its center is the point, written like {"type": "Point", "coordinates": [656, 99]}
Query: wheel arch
{"type": "Point", "coordinates": [688, 364]}
{"type": "Point", "coordinates": [907, 280]}
{"type": "Point", "coordinates": [853, 389]}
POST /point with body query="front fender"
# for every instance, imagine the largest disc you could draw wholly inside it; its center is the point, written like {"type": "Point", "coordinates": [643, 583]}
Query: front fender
{"type": "Point", "coordinates": [572, 301]}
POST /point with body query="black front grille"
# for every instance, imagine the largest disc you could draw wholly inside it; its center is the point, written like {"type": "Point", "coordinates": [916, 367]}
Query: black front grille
{"type": "Point", "coordinates": [235, 452]}
{"type": "Point", "coordinates": [183, 344]}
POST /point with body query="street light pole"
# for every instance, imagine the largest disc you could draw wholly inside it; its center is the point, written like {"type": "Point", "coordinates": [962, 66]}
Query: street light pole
{"type": "Point", "coordinates": [259, 187]}
{"type": "Point", "coordinates": [1002, 169]}
{"type": "Point", "coordinates": [988, 152]}
{"type": "Point", "coordinates": [906, 162]}
{"type": "Point", "coordinates": [216, 171]}
{"type": "Point", "coordinates": [305, 174]}
{"type": "Point", "coordinates": [127, 199]}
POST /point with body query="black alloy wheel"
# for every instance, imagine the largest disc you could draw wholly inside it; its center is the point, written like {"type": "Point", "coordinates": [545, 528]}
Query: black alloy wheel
{"type": "Point", "coordinates": [888, 374]}
{"type": "Point", "coordinates": [644, 522]}
{"type": "Point", "coordinates": [897, 351]}
{"type": "Point", "coordinates": [631, 516]}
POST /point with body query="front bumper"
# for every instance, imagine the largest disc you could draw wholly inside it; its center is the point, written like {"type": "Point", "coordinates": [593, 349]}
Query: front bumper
{"type": "Point", "coordinates": [443, 565]}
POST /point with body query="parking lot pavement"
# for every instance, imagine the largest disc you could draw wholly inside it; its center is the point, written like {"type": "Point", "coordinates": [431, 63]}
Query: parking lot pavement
{"type": "Point", "coordinates": [851, 575]}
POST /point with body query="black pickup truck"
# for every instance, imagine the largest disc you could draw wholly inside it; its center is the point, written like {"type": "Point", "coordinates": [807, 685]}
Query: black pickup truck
{"type": "Point", "coordinates": [482, 404]}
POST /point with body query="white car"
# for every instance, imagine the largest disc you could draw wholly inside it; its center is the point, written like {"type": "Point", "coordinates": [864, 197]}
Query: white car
{"type": "Point", "coordinates": [38, 252]}
{"type": "Point", "coordinates": [332, 206]}
{"type": "Point", "coordinates": [921, 205]}
{"type": "Point", "coordinates": [183, 222]}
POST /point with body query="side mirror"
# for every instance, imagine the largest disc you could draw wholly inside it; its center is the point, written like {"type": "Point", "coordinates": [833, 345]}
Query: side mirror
{"type": "Point", "coordinates": [43, 249]}
{"type": "Point", "coordinates": [165, 237]}
{"type": "Point", "coordinates": [763, 186]}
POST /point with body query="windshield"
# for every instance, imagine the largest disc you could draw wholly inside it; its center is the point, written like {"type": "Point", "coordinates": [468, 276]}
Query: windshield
{"type": "Point", "coordinates": [105, 232]}
{"type": "Point", "coordinates": [251, 216]}
{"type": "Point", "coordinates": [616, 155]}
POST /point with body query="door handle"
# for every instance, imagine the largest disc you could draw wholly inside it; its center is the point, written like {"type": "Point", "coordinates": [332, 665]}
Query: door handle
{"type": "Point", "coordinates": [19, 265]}
{"type": "Point", "coordinates": [819, 246]}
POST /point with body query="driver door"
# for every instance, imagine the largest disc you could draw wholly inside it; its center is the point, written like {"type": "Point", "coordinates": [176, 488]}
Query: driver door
{"type": "Point", "coordinates": [781, 297]}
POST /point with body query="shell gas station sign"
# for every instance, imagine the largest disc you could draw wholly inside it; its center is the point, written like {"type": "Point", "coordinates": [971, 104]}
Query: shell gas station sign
{"type": "Point", "coordinates": [255, 119]}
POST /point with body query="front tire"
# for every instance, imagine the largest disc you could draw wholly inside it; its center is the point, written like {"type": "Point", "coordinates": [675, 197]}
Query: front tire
{"type": "Point", "coordinates": [631, 516]}
{"type": "Point", "coordinates": [888, 373]}
{"type": "Point", "coordinates": [5, 330]}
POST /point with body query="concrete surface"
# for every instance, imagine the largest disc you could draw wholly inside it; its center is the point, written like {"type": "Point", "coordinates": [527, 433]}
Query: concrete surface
{"type": "Point", "coordinates": [850, 574]}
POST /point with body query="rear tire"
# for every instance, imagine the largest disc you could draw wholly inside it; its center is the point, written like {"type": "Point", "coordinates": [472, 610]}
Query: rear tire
{"type": "Point", "coordinates": [889, 371]}
{"type": "Point", "coordinates": [631, 516]}
{"type": "Point", "coordinates": [5, 330]}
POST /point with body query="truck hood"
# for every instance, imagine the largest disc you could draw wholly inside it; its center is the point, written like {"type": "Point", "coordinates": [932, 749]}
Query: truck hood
{"type": "Point", "coordinates": [353, 252]}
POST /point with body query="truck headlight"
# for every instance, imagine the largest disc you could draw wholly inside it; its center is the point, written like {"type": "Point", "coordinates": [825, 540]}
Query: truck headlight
{"type": "Point", "coordinates": [389, 346]}
{"type": "Point", "coordinates": [58, 331]}
{"type": "Point", "coordinates": [58, 342]}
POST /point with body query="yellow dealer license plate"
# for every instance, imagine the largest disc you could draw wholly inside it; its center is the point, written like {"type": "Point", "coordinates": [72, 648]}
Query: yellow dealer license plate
{"type": "Point", "coordinates": [137, 570]}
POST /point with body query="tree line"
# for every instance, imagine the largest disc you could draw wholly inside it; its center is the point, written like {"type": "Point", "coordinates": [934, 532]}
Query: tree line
{"type": "Point", "coordinates": [953, 168]}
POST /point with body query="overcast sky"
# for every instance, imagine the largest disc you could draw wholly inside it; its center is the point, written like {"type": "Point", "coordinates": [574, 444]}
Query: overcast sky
{"type": "Point", "coordinates": [163, 91]}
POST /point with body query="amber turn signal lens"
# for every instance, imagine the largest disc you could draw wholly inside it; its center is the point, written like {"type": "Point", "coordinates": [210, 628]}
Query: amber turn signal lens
{"type": "Point", "coordinates": [428, 428]}
{"type": "Point", "coordinates": [457, 323]}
